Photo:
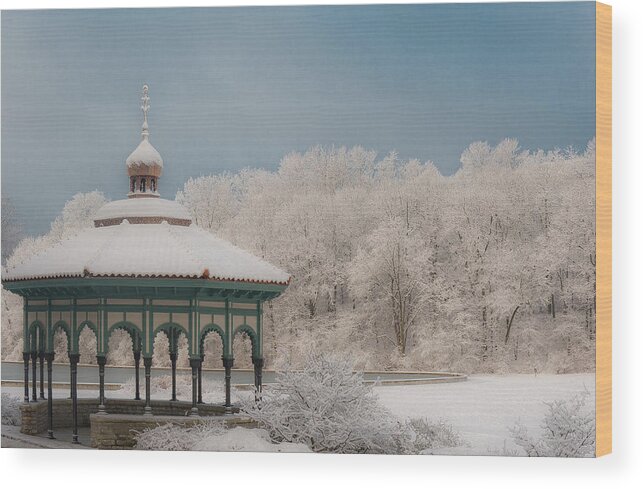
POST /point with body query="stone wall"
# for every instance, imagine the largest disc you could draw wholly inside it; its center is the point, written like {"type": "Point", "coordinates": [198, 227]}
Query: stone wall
{"type": "Point", "coordinates": [118, 431]}
{"type": "Point", "coordinates": [34, 414]}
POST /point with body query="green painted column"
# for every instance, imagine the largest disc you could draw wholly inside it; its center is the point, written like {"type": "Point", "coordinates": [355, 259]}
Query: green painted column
{"type": "Point", "coordinates": [228, 360]}
{"type": "Point", "coordinates": [41, 357]}
{"type": "Point", "coordinates": [101, 360]}
{"type": "Point", "coordinates": [173, 337]}
{"type": "Point", "coordinates": [258, 366]}
{"type": "Point", "coordinates": [25, 359]}
{"type": "Point", "coordinates": [200, 379]}
{"type": "Point", "coordinates": [228, 363]}
{"type": "Point", "coordinates": [25, 347]}
{"type": "Point", "coordinates": [259, 351]}
{"type": "Point", "coordinates": [194, 363]}
{"type": "Point", "coordinates": [137, 363]}
{"type": "Point", "coordinates": [73, 367]}
{"type": "Point", "coordinates": [147, 362]}
{"type": "Point", "coordinates": [34, 381]}
{"type": "Point", "coordinates": [50, 396]}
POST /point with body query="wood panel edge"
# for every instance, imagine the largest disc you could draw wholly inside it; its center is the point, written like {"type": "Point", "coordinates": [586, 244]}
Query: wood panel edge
{"type": "Point", "coordinates": [603, 229]}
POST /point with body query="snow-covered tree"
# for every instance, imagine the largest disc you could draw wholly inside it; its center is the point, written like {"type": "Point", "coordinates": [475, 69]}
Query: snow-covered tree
{"type": "Point", "coordinates": [11, 228]}
{"type": "Point", "coordinates": [491, 269]}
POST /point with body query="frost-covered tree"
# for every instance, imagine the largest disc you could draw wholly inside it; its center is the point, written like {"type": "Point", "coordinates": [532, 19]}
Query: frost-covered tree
{"type": "Point", "coordinates": [76, 215]}
{"type": "Point", "coordinates": [11, 228]}
{"type": "Point", "coordinates": [491, 269]}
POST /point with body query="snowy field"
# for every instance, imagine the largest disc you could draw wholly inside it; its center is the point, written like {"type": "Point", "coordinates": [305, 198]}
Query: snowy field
{"type": "Point", "coordinates": [483, 408]}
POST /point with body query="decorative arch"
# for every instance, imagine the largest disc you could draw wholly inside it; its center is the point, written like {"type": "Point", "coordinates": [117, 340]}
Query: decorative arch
{"type": "Point", "coordinates": [172, 331]}
{"type": "Point", "coordinates": [65, 327]}
{"type": "Point", "coordinates": [169, 326]}
{"type": "Point", "coordinates": [126, 326]}
{"type": "Point", "coordinates": [85, 324]}
{"type": "Point", "coordinates": [212, 328]}
{"type": "Point", "coordinates": [252, 334]}
{"type": "Point", "coordinates": [36, 336]}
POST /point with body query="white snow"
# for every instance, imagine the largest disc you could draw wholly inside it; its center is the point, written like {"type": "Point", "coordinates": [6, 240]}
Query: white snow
{"type": "Point", "coordinates": [144, 154]}
{"type": "Point", "coordinates": [161, 389]}
{"type": "Point", "coordinates": [142, 207]}
{"type": "Point", "coordinates": [247, 440]}
{"type": "Point", "coordinates": [483, 408]}
{"type": "Point", "coordinates": [147, 250]}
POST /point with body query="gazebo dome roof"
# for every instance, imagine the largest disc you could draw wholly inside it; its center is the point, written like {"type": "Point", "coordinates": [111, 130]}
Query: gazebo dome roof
{"type": "Point", "coordinates": [146, 238]}
{"type": "Point", "coordinates": [144, 155]}
{"type": "Point", "coordinates": [147, 251]}
{"type": "Point", "coordinates": [142, 211]}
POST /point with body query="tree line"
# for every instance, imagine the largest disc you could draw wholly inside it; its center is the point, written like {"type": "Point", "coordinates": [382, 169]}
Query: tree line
{"type": "Point", "coordinates": [491, 269]}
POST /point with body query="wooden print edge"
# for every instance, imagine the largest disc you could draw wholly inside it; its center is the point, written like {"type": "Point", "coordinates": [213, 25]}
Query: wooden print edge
{"type": "Point", "coordinates": [603, 229]}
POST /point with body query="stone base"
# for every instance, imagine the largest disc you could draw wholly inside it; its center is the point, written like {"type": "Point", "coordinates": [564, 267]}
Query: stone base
{"type": "Point", "coordinates": [118, 431]}
{"type": "Point", "coordinates": [34, 414]}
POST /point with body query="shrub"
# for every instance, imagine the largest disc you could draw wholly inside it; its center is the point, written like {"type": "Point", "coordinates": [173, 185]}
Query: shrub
{"type": "Point", "coordinates": [328, 407]}
{"type": "Point", "coordinates": [171, 437]}
{"type": "Point", "coordinates": [568, 430]}
{"type": "Point", "coordinates": [426, 435]}
{"type": "Point", "coordinates": [10, 410]}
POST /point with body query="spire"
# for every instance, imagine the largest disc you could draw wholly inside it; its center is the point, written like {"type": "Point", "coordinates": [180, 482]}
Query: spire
{"type": "Point", "coordinates": [144, 164]}
{"type": "Point", "coordinates": [145, 133]}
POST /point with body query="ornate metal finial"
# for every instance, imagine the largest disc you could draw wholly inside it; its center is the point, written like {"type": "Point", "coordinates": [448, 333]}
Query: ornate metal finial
{"type": "Point", "coordinates": [145, 107]}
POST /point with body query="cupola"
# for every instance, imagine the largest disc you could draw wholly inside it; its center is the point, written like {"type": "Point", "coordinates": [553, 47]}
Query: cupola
{"type": "Point", "coordinates": [144, 164]}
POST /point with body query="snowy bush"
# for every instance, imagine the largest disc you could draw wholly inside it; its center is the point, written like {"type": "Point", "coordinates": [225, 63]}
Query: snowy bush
{"type": "Point", "coordinates": [10, 410]}
{"type": "Point", "coordinates": [328, 407]}
{"type": "Point", "coordinates": [568, 430]}
{"type": "Point", "coordinates": [426, 435]}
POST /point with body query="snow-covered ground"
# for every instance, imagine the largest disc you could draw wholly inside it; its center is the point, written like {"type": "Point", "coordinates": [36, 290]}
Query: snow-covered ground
{"type": "Point", "coordinates": [480, 409]}
{"type": "Point", "coordinates": [484, 407]}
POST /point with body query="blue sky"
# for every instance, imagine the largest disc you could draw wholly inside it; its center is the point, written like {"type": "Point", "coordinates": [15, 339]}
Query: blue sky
{"type": "Point", "coordinates": [241, 87]}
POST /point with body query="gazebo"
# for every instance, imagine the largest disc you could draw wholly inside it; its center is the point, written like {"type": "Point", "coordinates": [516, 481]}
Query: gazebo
{"type": "Point", "coordinates": [144, 268]}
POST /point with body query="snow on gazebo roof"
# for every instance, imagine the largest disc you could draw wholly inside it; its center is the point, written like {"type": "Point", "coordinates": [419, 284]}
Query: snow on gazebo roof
{"type": "Point", "coordinates": [144, 154]}
{"type": "Point", "coordinates": [128, 208]}
{"type": "Point", "coordinates": [148, 238]}
{"type": "Point", "coordinates": [147, 251]}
